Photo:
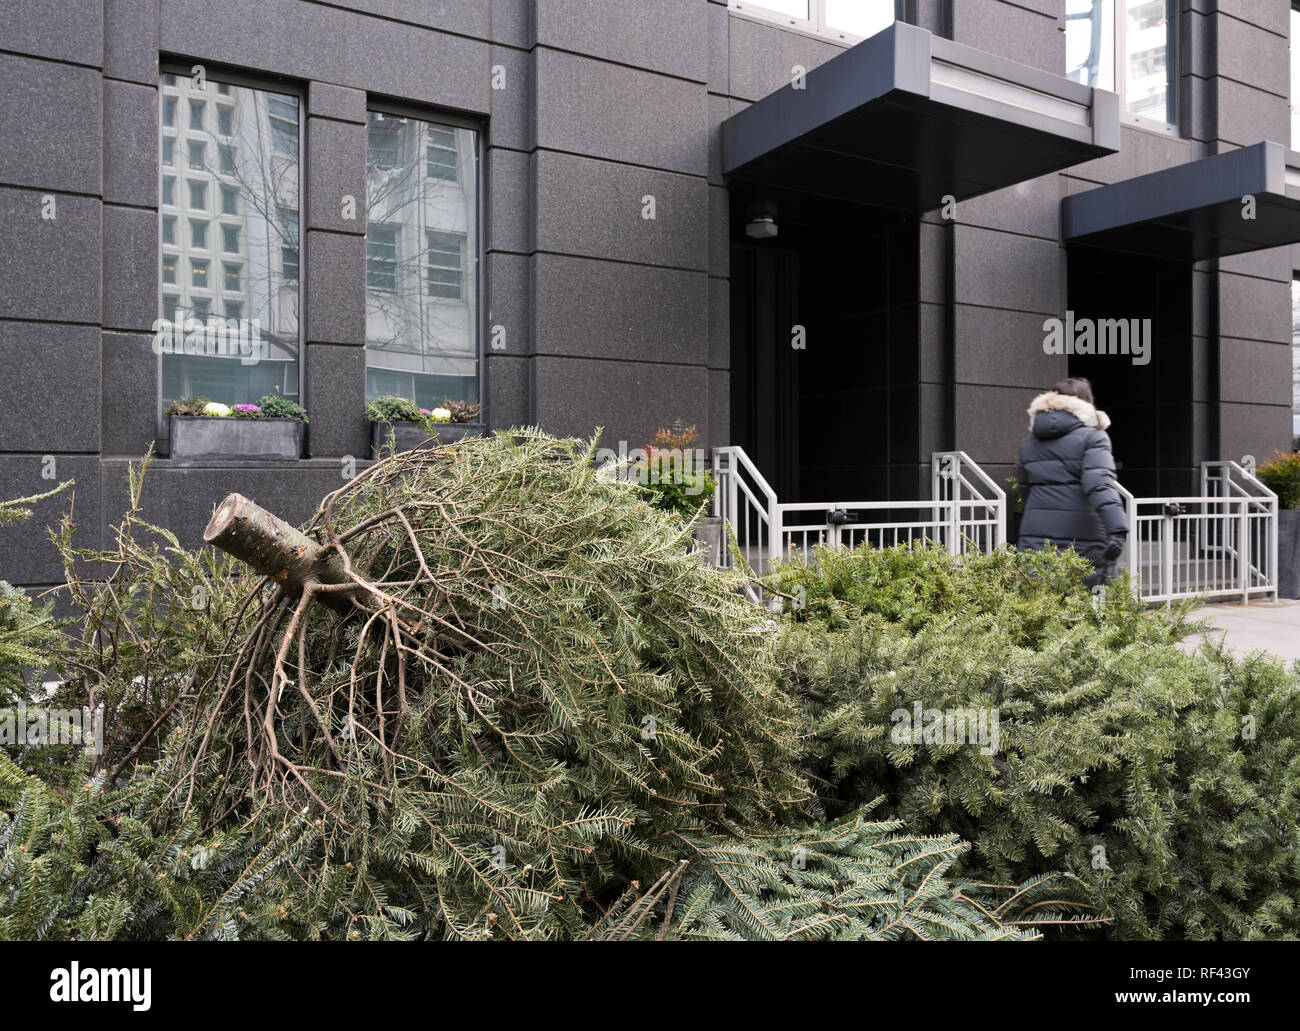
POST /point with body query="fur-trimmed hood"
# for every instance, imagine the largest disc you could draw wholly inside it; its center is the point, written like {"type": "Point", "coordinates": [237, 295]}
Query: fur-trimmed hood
{"type": "Point", "coordinates": [1051, 401]}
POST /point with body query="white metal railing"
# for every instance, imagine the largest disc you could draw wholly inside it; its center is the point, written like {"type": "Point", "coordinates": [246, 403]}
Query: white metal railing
{"type": "Point", "coordinates": [748, 507]}
{"type": "Point", "coordinates": [1221, 543]}
{"type": "Point", "coordinates": [978, 506]}
{"type": "Point", "coordinates": [966, 511]}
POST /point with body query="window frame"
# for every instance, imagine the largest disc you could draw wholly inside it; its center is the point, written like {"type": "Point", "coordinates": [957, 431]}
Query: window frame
{"type": "Point", "coordinates": [814, 24]}
{"type": "Point", "coordinates": [217, 75]}
{"type": "Point", "coordinates": [479, 127]}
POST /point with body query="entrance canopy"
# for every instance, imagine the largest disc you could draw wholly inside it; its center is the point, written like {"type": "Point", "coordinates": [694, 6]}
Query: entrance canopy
{"type": "Point", "coordinates": [1196, 210]}
{"type": "Point", "coordinates": [904, 119]}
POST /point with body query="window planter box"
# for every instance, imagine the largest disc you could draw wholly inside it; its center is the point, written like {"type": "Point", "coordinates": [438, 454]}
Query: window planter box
{"type": "Point", "coordinates": [195, 437]}
{"type": "Point", "coordinates": [1288, 553]}
{"type": "Point", "coordinates": [412, 435]}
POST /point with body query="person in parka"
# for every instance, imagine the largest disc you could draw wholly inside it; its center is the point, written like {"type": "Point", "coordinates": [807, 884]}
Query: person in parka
{"type": "Point", "coordinates": [1066, 475]}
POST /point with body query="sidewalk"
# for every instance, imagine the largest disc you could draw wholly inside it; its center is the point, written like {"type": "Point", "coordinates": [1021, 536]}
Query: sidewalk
{"type": "Point", "coordinates": [1263, 626]}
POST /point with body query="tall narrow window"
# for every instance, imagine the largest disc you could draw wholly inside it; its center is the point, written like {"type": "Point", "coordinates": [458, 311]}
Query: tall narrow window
{"type": "Point", "coordinates": [1150, 85]}
{"type": "Point", "coordinates": [1295, 74]}
{"type": "Point", "coordinates": [1295, 364]}
{"type": "Point", "coordinates": [422, 255]}
{"type": "Point", "coordinates": [1143, 35]}
{"type": "Point", "coordinates": [242, 203]}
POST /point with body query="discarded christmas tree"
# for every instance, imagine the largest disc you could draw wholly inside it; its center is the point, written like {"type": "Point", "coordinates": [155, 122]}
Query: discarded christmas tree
{"type": "Point", "coordinates": [486, 693]}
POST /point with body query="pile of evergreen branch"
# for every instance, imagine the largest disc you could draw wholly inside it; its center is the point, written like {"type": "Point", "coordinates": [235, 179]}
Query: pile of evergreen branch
{"type": "Point", "coordinates": [1167, 782]}
{"type": "Point", "coordinates": [522, 700]}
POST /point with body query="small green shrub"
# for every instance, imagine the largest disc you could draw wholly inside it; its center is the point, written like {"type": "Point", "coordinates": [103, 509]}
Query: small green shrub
{"type": "Point", "coordinates": [276, 407]}
{"type": "Point", "coordinates": [1281, 475]}
{"type": "Point", "coordinates": [394, 409]}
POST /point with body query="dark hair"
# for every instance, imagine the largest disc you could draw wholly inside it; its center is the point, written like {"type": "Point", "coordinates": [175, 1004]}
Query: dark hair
{"type": "Point", "coordinates": [1075, 386]}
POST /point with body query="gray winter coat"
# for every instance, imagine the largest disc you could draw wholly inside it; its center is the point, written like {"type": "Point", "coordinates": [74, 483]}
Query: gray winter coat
{"type": "Point", "coordinates": [1066, 474]}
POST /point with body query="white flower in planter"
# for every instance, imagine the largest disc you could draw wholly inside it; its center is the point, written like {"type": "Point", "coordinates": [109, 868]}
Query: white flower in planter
{"type": "Point", "coordinates": [216, 408]}
{"type": "Point", "coordinates": [440, 415]}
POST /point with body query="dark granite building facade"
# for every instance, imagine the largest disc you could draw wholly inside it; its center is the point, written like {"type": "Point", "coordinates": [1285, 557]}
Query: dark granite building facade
{"type": "Point", "coordinates": [603, 266]}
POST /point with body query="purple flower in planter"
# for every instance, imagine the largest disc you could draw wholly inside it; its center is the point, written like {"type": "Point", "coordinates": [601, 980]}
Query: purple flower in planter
{"type": "Point", "coordinates": [246, 411]}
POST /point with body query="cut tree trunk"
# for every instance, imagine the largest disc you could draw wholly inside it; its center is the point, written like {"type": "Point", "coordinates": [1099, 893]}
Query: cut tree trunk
{"type": "Point", "coordinates": [274, 548]}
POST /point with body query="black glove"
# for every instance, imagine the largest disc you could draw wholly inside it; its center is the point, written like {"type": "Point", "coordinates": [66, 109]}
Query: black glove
{"type": "Point", "coordinates": [1116, 547]}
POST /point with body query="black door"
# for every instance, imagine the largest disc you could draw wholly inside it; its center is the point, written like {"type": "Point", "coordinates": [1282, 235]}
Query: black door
{"type": "Point", "coordinates": [764, 364]}
{"type": "Point", "coordinates": [1152, 431]}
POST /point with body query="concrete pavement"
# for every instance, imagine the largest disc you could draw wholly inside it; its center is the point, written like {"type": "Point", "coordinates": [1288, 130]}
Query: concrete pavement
{"type": "Point", "coordinates": [1260, 626]}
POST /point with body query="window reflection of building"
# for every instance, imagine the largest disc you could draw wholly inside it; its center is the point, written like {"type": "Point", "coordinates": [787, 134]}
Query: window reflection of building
{"type": "Point", "coordinates": [1142, 35]}
{"type": "Point", "coordinates": [1295, 362]}
{"type": "Point", "coordinates": [1295, 76]}
{"type": "Point", "coordinates": [422, 326]}
{"type": "Point", "coordinates": [229, 240]}
{"type": "Point", "coordinates": [1147, 38]}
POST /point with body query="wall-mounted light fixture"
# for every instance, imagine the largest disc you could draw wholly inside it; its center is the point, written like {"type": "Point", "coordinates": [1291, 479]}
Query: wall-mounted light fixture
{"type": "Point", "coordinates": [761, 221]}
